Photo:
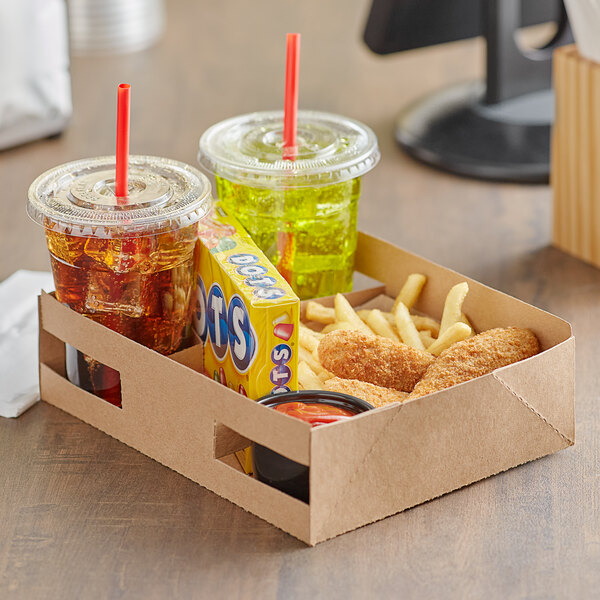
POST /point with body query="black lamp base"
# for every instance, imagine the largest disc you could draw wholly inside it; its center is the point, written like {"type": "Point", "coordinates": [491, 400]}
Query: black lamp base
{"type": "Point", "coordinates": [455, 131]}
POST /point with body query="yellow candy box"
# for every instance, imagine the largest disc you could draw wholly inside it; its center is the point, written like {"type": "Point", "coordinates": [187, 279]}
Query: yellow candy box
{"type": "Point", "coordinates": [246, 313]}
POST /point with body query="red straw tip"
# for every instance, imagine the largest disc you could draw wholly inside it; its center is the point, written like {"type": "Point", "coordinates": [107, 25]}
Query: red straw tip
{"type": "Point", "coordinates": [122, 154]}
{"type": "Point", "coordinates": [290, 116]}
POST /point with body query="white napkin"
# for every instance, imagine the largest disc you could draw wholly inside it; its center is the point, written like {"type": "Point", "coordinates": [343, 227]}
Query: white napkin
{"type": "Point", "coordinates": [19, 384]}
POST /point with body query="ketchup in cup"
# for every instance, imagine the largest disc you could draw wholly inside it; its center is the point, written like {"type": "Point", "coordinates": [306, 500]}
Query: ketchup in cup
{"type": "Point", "coordinates": [317, 407]}
{"type": "Point", "coordinates": [315, 414]}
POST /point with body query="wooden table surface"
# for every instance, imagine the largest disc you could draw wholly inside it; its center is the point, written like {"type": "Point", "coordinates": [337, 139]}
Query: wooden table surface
{"type": "Point", "coordinates": [83, 516]}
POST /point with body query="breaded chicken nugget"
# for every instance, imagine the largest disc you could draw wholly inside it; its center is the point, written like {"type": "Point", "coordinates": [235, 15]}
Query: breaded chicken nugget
{"type": "Point", "coordinates": [373, 394]}
{"type": "Point", "coordinates": [374, 359]}
{"type": "Point", "coordinates": [477, 356]}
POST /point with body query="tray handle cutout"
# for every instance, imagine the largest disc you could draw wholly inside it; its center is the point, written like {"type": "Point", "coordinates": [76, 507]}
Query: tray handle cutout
{"type": "Point", "coordinates": [261, 463]}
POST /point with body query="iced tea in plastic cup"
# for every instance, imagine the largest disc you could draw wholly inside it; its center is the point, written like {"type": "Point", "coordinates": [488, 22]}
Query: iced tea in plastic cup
{"type": "Point", "coordinates": [125, 263]}
{"type": "Point", "coordinates": [302, 213]}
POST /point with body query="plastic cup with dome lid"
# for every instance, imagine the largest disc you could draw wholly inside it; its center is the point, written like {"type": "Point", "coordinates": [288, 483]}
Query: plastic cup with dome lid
{"type": "Point", "coordinates": [121, 232]}
{"type": "Point", "coordinates": [302, 213]}
{"type": "Point", "coordinates": [293, 179]}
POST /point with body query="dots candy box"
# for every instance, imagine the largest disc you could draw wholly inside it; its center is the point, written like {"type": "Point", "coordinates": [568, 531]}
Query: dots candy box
{"type": "Point", "coordinates": [246, 313]}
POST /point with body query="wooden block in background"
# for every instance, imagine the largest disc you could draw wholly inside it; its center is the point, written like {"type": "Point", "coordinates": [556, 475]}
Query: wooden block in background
{"type": "Point", "coordinates": [575, 172]}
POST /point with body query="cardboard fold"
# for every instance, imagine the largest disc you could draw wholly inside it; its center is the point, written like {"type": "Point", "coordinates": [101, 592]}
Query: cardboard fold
{"type": "Point", "coordinates": [429, 446]}
{"type": "Point", "coordinates": [543, 388]}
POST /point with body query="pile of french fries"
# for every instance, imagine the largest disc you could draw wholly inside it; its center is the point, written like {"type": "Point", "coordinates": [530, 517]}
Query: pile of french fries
{"type": "Point", "coordinates": [399, 325]}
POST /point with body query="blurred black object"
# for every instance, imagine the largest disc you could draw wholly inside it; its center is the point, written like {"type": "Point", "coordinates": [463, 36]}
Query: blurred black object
{"type": "Point", "coordinates": [499, 130]}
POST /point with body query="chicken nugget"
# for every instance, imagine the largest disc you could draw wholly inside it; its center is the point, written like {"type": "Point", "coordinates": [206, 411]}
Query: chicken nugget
{"type": "Point", "coordinates": [374, 359]}
{"type": "Point", "coordinates": [373, 394]}
{"type": "Point", "coordinates": [477, 356]}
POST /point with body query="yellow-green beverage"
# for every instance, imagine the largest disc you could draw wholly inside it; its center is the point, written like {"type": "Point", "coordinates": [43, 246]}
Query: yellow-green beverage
{"type": "Point", "coordinates": [301, 213]}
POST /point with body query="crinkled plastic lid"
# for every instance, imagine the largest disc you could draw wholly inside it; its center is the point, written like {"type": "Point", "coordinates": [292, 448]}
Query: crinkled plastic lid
{"type": "Point", "coordinates": [248, 150]}
{"type": "Point", "coordinates": [78, 198]}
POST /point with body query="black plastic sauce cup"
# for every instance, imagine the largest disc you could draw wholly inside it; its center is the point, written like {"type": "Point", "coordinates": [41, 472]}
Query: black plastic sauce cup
{"type": "Point", "coordinates": [281, 472]}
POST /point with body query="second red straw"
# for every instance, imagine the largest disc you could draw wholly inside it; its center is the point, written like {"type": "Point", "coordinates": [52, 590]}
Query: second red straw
{"type": "Point", "coordinates": [290, 114]}
{"type": "Point", "coordinates": [122, 163]}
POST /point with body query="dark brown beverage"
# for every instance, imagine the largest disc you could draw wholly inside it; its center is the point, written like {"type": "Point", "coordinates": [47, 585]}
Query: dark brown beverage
{"type": "Point", "coordinates": [126, 264]}
{"type": "Point", "coordinates": [139, 287]}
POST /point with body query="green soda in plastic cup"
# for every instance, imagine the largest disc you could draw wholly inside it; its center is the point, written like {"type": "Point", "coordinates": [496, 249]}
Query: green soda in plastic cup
{"type": "Point", "coordinates": [301, 213]}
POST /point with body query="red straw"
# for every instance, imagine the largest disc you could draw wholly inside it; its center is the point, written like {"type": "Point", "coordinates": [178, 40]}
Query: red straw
{"type": "Point", "coordinates": [290, 114]}
{"type": "Point", "coordinates": [122, 167]}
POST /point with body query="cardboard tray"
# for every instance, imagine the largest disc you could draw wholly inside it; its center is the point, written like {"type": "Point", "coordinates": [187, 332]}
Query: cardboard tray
{"type": "Point", "coordinates": [361, 470]}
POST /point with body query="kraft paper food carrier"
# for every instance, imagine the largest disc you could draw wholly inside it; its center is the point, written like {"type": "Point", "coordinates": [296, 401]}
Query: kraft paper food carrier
{"type": "Point", "coordinates": [361, 470]}
{"type": "Point", "coordinates": [248, 149]}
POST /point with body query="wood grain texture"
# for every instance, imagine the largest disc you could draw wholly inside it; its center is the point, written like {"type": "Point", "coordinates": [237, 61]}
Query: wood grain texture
{"type": "Point", "coordinates": [575, 155]}
{"type": "Point", "coordinates": [83, 516]}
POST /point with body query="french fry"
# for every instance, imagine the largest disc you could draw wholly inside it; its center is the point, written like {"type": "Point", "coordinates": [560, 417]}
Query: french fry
{"type": "Point", "coordinates": [306, 339]}
{"type": "Point", "coordinates": [388, 316]}
{"type": "Point", "coordinates": [426, 324]}
{"type": "Point", "coordinates": [324, 376]}
{"type": "Point", "coordinates": [313, 362]}
{"type": "Point", "coordinates": [307, 357]}
{"type": "Point", "coordinates": [345, 312]}
{"type": "Point", "coordinates": [455, 333]}
{"type": "Point", "coordinates": [338, 325]}
{"type": "Point", "coordinates": [380, 325]}
{"type": "Point", "coordinates": [307, 378]}
{"type": "Point", "coordinates": [409, 294]}
{"type": "Point", "coordinates": [465, 320]}
{"type": "Point", "coordinates": [421, 323]}
{"type": "Point", "coordinates": [319, 313]}
{"type": "Point", "coordinates": [363, 313]}
{"type": "Point", "coordinates": [406, 328]}
{"type": "Point", "coordinates": [309, 331]}
{"type": "Point", "coordinates": [453, 306]}
{"type": "Point", "coordinates": [426, 338]}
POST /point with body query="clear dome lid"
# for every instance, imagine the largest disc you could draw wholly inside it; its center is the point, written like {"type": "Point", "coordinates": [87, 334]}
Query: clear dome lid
{"type": "Point", "coordinates": [78, 198]}
{"type": "Point", "coordinates": [248, 150]}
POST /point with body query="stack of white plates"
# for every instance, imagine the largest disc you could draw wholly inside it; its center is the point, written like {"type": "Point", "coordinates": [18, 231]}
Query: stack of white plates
{"type": "Point", "coordinates": [114, 26]}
